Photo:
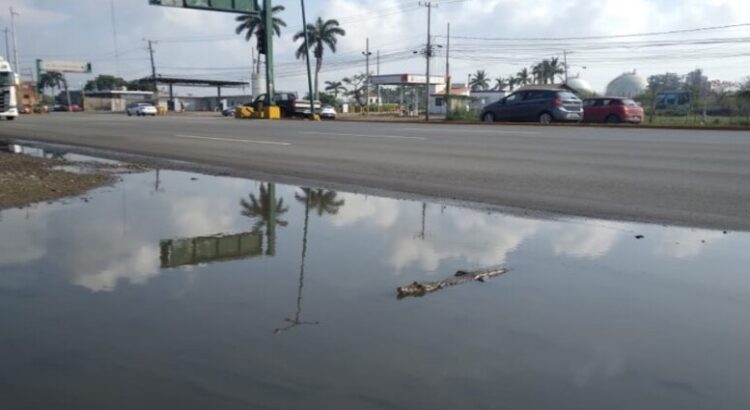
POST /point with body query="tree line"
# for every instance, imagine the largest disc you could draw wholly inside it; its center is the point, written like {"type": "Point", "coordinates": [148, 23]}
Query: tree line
{"type": "Point", "coordinates": [543, 73]}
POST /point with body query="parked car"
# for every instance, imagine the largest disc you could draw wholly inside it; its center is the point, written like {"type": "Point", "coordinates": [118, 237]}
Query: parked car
{"type": "Point", "coordinates": [229, 111]}
{"type": "Point", "coordinates": [544, 105]}
{"type": "Point", "coordinates": [612, 110]}
{"type": "Point", "coordinates": [141, 109]}
{"type": "Point", "coordinates": [328, 112]}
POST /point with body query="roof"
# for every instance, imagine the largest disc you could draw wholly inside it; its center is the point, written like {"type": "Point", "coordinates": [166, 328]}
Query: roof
{"type": "Point", "coordinates": [109, 93]}
{"type": "Point", "coordinates": [195, 82]}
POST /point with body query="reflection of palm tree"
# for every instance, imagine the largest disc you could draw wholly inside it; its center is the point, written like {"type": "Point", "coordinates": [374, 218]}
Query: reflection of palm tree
{"type": "Point", "coordinates": [325, 202]}
{"type": "Point", "coordinates": [265, 210]}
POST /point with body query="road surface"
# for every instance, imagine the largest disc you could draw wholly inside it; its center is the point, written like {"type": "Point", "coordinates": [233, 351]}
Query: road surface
{"type": "Point", "coordinates": [694, 178]}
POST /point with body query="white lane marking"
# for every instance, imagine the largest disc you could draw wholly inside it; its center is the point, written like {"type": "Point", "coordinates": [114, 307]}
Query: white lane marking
{"type": "Point", "coordinates": [284, 144]}
{"type": "Point", "coordinates": [469, 131]}
{"type": "Point", "coordinates": [400, 137]}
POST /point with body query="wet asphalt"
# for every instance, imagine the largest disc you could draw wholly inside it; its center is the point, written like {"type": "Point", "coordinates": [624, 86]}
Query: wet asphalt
{"type": "Point", "coordinates": [675, 177]}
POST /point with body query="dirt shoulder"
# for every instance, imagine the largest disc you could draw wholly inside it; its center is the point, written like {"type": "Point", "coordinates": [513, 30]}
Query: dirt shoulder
{"type": "Point", "coordinates": [25, 180]}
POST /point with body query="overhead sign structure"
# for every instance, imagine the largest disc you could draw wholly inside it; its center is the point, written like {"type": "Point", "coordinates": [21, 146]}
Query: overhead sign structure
{"type": "Point", "coordinates": [65, 66]}
{"type": "Point", "coordinates": [232, 6]}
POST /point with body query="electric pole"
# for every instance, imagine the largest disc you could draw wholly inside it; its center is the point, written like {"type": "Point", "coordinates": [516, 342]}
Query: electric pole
{"type": "Point", "coordinates": [16, 63]}
{"type": "Point", "coordinates": [565, 61]}
{"type": "Point", "coordinates": [268, 24]}
{"type": "Point", "coordinates": [114, 37]}
{"type": "Point", "coordinates": [448, 87]}
{"type": "Point", "coordinates": [367, 55]}
{"type": "Point", "coordinates": [7, 43]}
{"type": "Point", "coordinates": [428, 55]}
{"type": "Point", "coordinates": [153, 65]}
{"type": "Point", "coordinates": [380, 100]}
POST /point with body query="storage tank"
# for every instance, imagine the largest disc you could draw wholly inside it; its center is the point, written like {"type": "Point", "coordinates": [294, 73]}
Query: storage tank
{"type": "Point", "coordinates": [580, 86]}
{"type": "Point", "coordinates": [627, 85]}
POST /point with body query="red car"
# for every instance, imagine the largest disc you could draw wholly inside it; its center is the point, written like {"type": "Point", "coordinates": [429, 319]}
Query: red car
{"type": "Point", "coordinates": [612, 110]}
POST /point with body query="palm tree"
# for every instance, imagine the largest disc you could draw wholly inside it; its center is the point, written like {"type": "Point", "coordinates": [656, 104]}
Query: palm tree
{"type": "Point", "coordinates": [266, 211]}
{"type": "Point", "coordinates": [537, 73]}
{"type": "Point", "coordinates": [479, 81]}
{"type": "Point", "coordinates": [335, 87]}
{"type": "Point", "coordinates": [555, 68]}
{"type": "Point", "coordinates": [319, 34]}
{"type": "Point", "coordinates": [512, 83]}
{"type": "Point", "coordinates": [52, 80]}
{"type": "Point", "coordinates": [501, 84]}
{"type": "Point", "coordinates": [254, 26]}
{"type": "Point", "coordinates": [523, 76]}
{"type": "Point", "coordinates": [325, 202]}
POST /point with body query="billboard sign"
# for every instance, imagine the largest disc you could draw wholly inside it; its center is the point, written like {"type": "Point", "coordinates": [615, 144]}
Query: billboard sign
{"type": "Point", "coordinates": [231, 6]}
{"type": "Point", "coordinates": [65, 66]}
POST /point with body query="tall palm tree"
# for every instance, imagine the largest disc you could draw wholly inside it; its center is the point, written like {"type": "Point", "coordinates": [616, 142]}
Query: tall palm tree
{"type": "Point", "coordinates": [319, 34]}
{"type": "Point", "coordinates": [537, 73]}
{"type": "Point", "coordinates": [253, 25]}
{"type": "Point", "coordinates": [479, 81]}
{"type": "Point", "coordinates": [335, 87]}
{"type": "Point", "coordinates": [325, 202]}
{"type": "Point", "coordinates": [501, 84]}
{"type": "Point", "coordinates": [266, 211]}
{"type": "Point", "coordinates": [523, 76]}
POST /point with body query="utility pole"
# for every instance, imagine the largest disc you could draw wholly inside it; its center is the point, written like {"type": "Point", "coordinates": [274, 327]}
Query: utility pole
{"type": "Point", "coordinates": [7, 43]}
{"type": "Point", "coordinates": [565, 61]}
{"type": "Point", "coordinates": [114, 37]}
{"type": "Point", "coordinates": [367, 55]}
{"type": "Point", "coordinates": [428, 55]}
{"type": "Point", "coordinates": [380, 100]}
{"type": "Point", "coordinates": [268, 24]}
{"type": "Point", "coordinates": [16, 64]}
{"type": "Point", "coordinates": [153, 65]}
{"type": "Point", "coordinates": [448, 87]}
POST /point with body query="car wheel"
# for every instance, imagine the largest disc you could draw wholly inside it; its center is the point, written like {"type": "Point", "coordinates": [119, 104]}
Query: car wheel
{"type": "Point", "coordinates": [545, 118]}
{"type": "Point", "coordinates": [613, 119]}
{"type": "Point", "coordinates": [488, 117]}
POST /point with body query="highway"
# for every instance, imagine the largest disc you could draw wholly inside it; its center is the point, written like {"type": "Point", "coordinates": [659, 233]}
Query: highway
{"type": "Point", "coordinates": [681, 177]}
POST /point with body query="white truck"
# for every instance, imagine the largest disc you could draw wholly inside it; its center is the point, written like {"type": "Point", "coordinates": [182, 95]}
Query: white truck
{"type": "Point", "coordinates": [8, 88]}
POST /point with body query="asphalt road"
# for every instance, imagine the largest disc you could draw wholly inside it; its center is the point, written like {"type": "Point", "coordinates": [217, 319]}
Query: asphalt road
{"type": "Point", "coordinates": [694, 178]}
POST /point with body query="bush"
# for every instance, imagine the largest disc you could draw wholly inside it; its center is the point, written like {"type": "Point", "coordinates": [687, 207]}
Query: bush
{"type": "Point", "coordinates": [462, 115]}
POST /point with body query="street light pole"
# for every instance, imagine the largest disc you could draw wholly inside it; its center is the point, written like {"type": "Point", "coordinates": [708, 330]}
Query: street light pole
{"type": "Point", "coordinates": [268, 24]}
{"type": "Point", "coordinates": [16, 63]}
{"type": "Point", "coordinates": [367, 55]}
{"type": "Point", "coordinates": [428, 55]}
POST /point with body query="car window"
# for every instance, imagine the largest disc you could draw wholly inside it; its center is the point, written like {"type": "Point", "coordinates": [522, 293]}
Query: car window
{"type": "Point", "coordinates": [534, 95]}
{"type": "Point", "coordinates": [629, 102]}
{"type": "Point", "coordinates": [615, 102]}
{"type": "Point", "coordinates": [589, 103]}
{"type": "Point", "coordinates": [513, 98]}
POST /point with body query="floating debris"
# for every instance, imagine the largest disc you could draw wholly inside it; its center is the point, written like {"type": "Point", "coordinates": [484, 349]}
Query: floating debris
{"type": "Point", "coordinates": [419, 289]}
{"type": "Point", "coordinates": [640, 237]}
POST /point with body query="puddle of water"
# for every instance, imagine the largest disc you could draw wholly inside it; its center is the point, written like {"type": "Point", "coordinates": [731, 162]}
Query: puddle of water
{"type": "Point", "coordinates": [175, 290]}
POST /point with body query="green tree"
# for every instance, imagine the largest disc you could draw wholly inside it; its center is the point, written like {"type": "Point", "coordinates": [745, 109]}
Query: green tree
{"type": "Point", "coordinates": [52, 80]}
{"type": "Point", "coordinates": [523, 77]}
{"type": "Point", "coordinates": [253, 25]}
{"type": "Point", "coordinates": [320, 35]}
{"type": "Point", "coordinates": [356, 88]}
{"type": "Point", "coordinates": [335, 87]}
{"type": "Point", "coordinates": [479, 81]}
{"type": "Point", "coordinates": [554, 68]}
{"type": "Point", "coordinates": [501, 84]}
{"type": "Point", "coordinates": [105, 82]}
{"type": "Point", "coordinates": [512, 83]}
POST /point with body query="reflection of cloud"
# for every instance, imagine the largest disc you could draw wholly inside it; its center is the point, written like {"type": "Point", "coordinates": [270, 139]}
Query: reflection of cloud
{"type": "Point", "coordinates": [482, 240]}
{"type": "Point", "coordinates": [686, 244]}
{"type": "Point", "coordinates": [137, 268]}
{"type": "Point", "coordinates": [21, 236]}
{"type": "Point", "coordinates": [198, 216]}
{"type": "Point", "coordinates": [381, 212]}
{"type": "Point", "coordinates": [587, 241]}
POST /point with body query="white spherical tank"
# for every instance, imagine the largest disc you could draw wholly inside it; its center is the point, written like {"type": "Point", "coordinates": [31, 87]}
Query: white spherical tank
{"type": "Point", "coordinates": [580, 86]}
{"type": "Point", "coordinates": [627, 85]}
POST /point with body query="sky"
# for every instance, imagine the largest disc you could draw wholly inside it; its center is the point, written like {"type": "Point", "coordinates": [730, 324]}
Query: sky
{"type": "Point", "coordinates": [203, 44]}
